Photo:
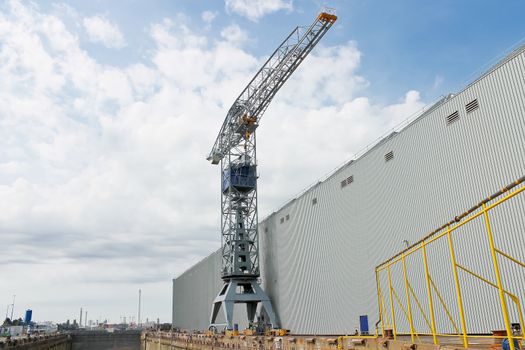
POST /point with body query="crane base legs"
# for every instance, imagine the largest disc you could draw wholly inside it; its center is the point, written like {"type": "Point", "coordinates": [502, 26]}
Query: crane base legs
{"type": "Point", "coordinates": [242, 291]}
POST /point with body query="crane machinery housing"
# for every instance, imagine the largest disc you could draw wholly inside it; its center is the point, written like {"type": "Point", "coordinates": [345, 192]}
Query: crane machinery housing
{"type": "Point", "coordinates": [235, 150]}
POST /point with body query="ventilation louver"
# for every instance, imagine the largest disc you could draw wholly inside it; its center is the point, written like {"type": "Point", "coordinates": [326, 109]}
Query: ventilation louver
{"type": "Point", "coordinates": [343, 183]}
{"type": "Point", "coordinates": [453, 118]}
{"type": "Point", "coordinates": [472, 106]}
{"type": "Point", "coordinates": [282, 220]}
{"type": "Point", "coordinates": [350, 179]}
{"type": "Point", "coordinates": [287, 217]}
{"type": "Point", "coordinates": [389, 156]}
{"type": "Point", "coordinates": [314, 201]}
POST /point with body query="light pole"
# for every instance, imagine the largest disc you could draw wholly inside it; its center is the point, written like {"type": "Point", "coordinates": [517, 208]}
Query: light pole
{"type": "Point", "coordinates": [138, 321]}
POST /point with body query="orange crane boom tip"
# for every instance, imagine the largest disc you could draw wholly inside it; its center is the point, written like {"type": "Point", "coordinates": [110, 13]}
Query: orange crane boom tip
{"type": "Point", "coordinates": [327, 17]}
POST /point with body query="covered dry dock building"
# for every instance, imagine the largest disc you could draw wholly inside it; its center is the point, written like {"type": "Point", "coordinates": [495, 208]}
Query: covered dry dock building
{"type": "Point", "coordinates": [319, 251]}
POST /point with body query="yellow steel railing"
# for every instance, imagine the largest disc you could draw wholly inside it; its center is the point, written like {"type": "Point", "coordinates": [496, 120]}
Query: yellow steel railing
{"type": "Point", "coordinates": [393, 309]}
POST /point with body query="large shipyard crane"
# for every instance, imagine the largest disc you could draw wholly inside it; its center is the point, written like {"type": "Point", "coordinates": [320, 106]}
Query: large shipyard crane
{"type": "Point", "coordinates": [235, 150]}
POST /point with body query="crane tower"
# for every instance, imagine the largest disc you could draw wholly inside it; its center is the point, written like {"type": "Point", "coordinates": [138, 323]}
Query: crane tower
{"type": "Point", "coordinates": [235, 150]}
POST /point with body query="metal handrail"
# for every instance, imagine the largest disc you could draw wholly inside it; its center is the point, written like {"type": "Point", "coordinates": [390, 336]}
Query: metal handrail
{"type": "Point", "coordinates": [447, 230]}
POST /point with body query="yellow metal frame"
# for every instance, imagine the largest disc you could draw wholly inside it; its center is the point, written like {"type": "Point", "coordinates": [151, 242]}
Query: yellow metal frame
{"type": "Point", "coordinates": [388, 317]}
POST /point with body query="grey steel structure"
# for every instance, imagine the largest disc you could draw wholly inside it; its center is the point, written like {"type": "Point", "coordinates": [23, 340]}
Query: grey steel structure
{"type": "Point", "coordinates": [318, 252]}
{"type": "Point", "coordinates": [235, 149]}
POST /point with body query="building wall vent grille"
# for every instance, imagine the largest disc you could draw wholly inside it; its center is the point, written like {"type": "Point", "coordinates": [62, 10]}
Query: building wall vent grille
{"type": "Point", "coordinates": [472, 106]}
{"type": "Point", "coordinates": [287, 217]}
{"type": "Point", "coordinates": [453, 118]}
{"type": "Point", "coordinates": [350, 179]}
{"type": "Point", "coordinates": [282, 220]}
{"type": "Point", "coordinates": [314, 201]}
{"type": "Point", "coordinates": [343, 183]}
{"type": "Point", "coordinates": [389, 156]}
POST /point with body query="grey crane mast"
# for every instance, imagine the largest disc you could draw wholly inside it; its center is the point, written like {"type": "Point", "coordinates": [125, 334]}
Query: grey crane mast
{"type": "Point", "coordinates": [235, 150]}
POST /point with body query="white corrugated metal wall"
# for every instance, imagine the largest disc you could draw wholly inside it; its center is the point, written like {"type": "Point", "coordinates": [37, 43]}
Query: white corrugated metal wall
{"type": "Point", "coordinates": [318, 266]}
{"type": "Point", "coordinates": [194, 291]}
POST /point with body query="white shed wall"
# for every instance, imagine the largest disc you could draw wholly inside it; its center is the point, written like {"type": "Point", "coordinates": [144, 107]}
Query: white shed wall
{"type": "Point", "coordinates": [318, 266]}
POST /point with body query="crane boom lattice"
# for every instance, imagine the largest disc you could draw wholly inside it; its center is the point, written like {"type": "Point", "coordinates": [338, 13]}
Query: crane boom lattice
{"type": "Point", "coordinates": [235, 150]}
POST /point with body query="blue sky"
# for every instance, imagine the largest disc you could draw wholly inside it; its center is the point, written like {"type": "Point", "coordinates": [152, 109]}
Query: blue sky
{"type": "Point", "coordinates": [434, 47]}
{"type": "Point", "coordinates": [109, 108]}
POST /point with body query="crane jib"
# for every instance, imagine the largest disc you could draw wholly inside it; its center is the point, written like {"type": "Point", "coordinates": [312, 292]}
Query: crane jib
{"type": "Point", "coordinates": [255, 98]}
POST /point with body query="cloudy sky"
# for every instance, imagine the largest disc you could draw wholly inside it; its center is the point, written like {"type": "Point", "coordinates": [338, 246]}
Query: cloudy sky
{"type": "Point", "coordinates": [109, 108]}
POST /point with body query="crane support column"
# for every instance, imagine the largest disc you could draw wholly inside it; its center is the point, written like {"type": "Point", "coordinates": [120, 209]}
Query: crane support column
{"type": "Point", "coordinates": [235, 150]}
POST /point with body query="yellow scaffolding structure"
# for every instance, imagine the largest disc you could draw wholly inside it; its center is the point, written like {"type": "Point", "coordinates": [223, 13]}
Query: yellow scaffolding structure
{"type": "Point", "coordinates": [446, 232]}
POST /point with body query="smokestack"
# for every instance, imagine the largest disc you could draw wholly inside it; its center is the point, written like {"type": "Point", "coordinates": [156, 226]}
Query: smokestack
{"type": "Point", "coordinates": [13, 307]}
{"type": "Point", "coordinates": [80, 324]}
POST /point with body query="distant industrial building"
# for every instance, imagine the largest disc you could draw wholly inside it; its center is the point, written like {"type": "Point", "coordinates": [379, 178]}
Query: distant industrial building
{"type": "Point", "coordinates": [319, 251]}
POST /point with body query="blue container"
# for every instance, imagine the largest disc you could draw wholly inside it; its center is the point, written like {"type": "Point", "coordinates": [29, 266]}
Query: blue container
{"type": "Point", "coordinates": [363, 324]}
{"type": "Point", "coordinates": [506, 345]}
{"type": "Point", "coordinates": [27, 318]}
{"type": "Point", "coordinates": [242, 178]}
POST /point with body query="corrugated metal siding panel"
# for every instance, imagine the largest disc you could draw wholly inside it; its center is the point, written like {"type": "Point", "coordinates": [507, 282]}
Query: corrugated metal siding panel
{"type": "Point", "coordinates": [437, 172]}
{"type": "Point", "coordinates": [194, 291]}
{"type": "Point", "coordinates": [318, 267]}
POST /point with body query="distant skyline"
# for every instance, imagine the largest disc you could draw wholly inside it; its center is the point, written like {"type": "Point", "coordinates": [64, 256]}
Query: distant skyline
{"type": "Point", "coordinates": [109, 108]}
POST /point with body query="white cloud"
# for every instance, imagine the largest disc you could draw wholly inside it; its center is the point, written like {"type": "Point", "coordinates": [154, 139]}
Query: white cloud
{"type": "Point", "coordinates": [101, 30]}
{"type": "Point", "coordinates": [438, 81]}
{"type": "Point", "coordinates": [208, 16]}
{"type": "Point", "coordinates": [234, 34]}
{"type": "Point", "coordinates": [104, 185]}
{"type": "Point", "coordinates": [256, 9]}
{"type": "Point", "coordinates": [329, 75]}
